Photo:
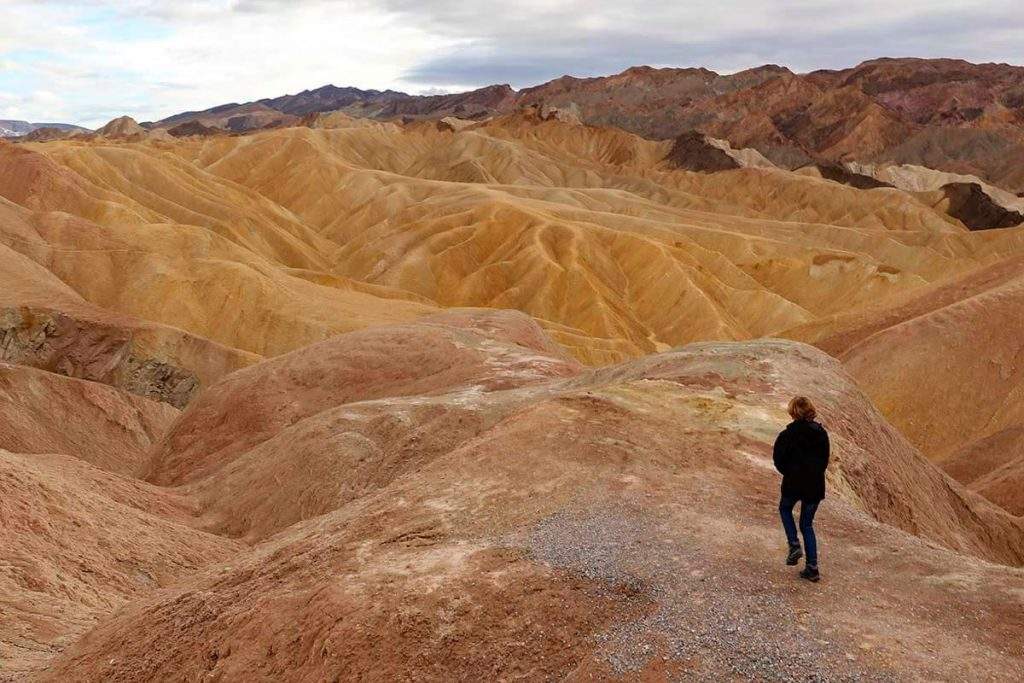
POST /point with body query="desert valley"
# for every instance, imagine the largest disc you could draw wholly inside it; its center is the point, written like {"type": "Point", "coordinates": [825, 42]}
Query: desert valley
{"type": "Point", "coordinates": [360, 385]}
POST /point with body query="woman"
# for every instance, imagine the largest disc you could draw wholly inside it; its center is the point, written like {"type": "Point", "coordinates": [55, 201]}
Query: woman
{"type": "Point", "coordinates": [801, 456]}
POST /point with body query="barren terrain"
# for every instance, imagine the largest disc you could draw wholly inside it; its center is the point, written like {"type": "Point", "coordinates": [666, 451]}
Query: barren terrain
{"type": "Point", "coordinates": [441, 397]}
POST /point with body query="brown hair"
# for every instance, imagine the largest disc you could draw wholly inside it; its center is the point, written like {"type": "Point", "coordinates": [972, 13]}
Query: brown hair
{"type": "Point", "coordinates": [801, 408]}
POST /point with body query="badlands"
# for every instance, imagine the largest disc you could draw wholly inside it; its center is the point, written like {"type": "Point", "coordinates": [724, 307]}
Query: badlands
{"type": "Point", "coordinates": [346, 396]}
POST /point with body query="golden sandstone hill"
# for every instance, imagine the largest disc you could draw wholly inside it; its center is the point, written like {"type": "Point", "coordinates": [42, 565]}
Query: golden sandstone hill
{"type": "Point", "coordinates": [584, 228]}
{"type": "Point", "coordinates": [357, 399]}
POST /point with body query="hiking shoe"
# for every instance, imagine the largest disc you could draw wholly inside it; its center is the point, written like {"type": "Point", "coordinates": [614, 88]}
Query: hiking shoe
{"type": "Point", "coordinates": [795, 553]}
{"type": "Point", "coordinates": [810, 572]}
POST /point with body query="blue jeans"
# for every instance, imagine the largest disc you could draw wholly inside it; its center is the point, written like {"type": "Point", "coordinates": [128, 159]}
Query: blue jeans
{"type": "Point", "coordinates": [807, 511]}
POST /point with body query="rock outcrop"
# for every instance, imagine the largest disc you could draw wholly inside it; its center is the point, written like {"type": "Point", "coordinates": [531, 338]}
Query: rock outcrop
{"type": "Point", "coordinates": [251, 121]}
{"type": "Point", "coordinates": [842, 174]}
{"type": "Point", "coordinates": [693, 151]}
{"type": "Point", "coordinates": [124, 127]}
{"type": "Point", "coordinates": [568, 114]}
{"type": "Point", "coordinates": [46, 134]}
{"type": "Point", "coordinates": [93, 350]}
{"type": "Point", "coordinates": [454, 124]}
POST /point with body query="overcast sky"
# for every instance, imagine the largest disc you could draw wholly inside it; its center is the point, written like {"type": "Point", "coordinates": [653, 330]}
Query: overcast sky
{"type": "Point", "coordinates": [88, 61]}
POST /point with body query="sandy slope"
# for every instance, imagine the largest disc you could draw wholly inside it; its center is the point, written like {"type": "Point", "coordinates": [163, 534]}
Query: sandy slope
{"type": "Point", "coordinates": [46, 413]}
{"type": "Point", "coordinates": [965, 334]}
{"type": "Point", "coordinates": [77, 543]}
{"type": "Point", "coordinates": [188, 275]}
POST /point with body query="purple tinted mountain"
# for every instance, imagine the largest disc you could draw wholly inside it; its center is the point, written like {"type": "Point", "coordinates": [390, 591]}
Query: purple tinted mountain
{"type": "Point", "coordinates": [328, 98]}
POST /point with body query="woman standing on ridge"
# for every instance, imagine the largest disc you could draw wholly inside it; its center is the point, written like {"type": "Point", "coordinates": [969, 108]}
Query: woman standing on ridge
{"type": "Point", "coordinates": [801, 456]}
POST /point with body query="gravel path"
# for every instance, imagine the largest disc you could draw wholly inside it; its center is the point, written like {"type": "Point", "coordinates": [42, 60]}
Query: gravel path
{"type": "Point", "coordinates": [718, 618]}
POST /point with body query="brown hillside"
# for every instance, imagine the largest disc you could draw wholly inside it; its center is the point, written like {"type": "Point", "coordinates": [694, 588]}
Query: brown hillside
{"type": "Point", "coordinates": [604, 523]}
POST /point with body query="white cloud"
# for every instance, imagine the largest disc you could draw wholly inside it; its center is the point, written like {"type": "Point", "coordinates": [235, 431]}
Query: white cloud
{"type": "Point", "coordinates": [152, 58]}
{"type": "Point", "coordinates": [530, 41]}
{"type": "Point", "coordinates": [195, 55]}
{"type": "Point", "coordinates": [12, 106]}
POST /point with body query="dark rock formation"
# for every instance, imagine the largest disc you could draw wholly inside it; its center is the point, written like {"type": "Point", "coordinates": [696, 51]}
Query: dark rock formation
{"type": "Point", "coordinates": [841, 174]}
{"type": "Point", "coordinates": [46, 134]}
{"type": "Point", "coordinates": [972, 206]}
{"type": "Point", "coordinates": [692, 152]}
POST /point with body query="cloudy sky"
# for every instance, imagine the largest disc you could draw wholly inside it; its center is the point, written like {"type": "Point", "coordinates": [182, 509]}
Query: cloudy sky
{"type": "Point", "coordinates": [87, 61]}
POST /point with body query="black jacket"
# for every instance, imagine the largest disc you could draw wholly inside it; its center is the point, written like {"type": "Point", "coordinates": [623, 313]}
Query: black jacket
{"type": "Point", "coordinates": [801, 455]}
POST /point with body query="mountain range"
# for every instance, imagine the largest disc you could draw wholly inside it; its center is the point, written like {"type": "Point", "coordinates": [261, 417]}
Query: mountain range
{"type": "Point", "coordinates": [892, 111]}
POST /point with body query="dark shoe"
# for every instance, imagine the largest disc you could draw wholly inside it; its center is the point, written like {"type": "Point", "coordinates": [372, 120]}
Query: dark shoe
{"type": "Point", "coordinates": [810, 572]}
{"type": "Point", "coordinates": [795, 553]}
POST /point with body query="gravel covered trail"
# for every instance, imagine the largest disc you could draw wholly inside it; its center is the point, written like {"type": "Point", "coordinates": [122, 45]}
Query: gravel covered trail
{"type": "Point", "coordinates": [714, 617]}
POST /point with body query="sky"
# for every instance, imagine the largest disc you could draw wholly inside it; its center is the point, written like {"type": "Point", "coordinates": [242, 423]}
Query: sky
{"type": "Point", "coordinates": [88, 61]}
